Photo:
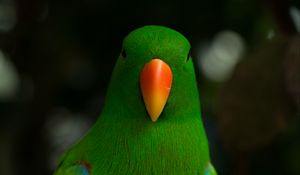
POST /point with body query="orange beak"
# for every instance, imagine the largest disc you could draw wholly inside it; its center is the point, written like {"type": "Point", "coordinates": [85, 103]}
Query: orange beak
{"type": "Point", "coordinates": [156, 81]}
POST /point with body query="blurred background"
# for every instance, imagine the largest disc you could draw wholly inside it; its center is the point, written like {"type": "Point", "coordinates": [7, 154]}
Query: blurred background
{"type": "Point", "coordinates": [56, 58]}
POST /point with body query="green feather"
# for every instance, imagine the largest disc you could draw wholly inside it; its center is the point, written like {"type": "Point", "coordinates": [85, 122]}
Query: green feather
{"type": "Point", "coordinates": [210, 170]}
{"type": "Point", "coordinates": [71, 170]}
{"type": "Point", "coordinates": [124, 140]}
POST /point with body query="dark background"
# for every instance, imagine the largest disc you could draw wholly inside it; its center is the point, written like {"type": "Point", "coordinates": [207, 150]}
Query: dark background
{"type": "Point", "coordinates": [56, 58]}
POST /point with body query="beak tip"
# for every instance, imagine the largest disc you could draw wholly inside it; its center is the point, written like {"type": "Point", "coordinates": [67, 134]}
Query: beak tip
{"type": "Point", "coordinates": [154, 121]}
{"type": "Point", "coordinates": [154, 117]}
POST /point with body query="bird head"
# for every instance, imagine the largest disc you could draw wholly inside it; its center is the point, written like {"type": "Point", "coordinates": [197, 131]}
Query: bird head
{"type": "Point", "coordinates": [155, 64]}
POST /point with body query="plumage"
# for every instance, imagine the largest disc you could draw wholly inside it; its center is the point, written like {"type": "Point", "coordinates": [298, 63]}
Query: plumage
{"type": "Point", "coordinates": [77, 168]}
{"type": "Point", "coordinates": [210, 170]}
{"type": "Point", "coordinates": [125, 140]}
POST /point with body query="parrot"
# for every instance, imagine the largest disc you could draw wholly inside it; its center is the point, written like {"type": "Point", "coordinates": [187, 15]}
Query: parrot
{"type": "Point", "coordinates": [151, 119]}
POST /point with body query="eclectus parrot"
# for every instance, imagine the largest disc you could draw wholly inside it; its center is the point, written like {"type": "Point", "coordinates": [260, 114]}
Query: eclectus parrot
{"type": "Point", "coordinates": [151, 122]}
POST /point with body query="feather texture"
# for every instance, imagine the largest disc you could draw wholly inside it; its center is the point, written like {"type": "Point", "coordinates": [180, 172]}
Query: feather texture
{"type": "Point", "coordinates": [124, 140]}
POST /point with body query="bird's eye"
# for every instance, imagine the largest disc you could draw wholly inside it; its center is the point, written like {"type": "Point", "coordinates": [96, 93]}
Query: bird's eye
{"type": "Point", "coordinates": [188, 56]}
{"type": "Point", "coordinates": [123, 53]}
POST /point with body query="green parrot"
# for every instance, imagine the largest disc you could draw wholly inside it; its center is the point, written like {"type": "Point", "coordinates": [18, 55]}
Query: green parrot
{"type": "Point", "coordinates": [151, 121]}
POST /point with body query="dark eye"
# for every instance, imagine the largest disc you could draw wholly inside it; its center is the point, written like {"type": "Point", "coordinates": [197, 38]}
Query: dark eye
{"type": "Point", "coordinates": [123, 53]}
{"type": "Point", "coordinates": [188, 56]}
